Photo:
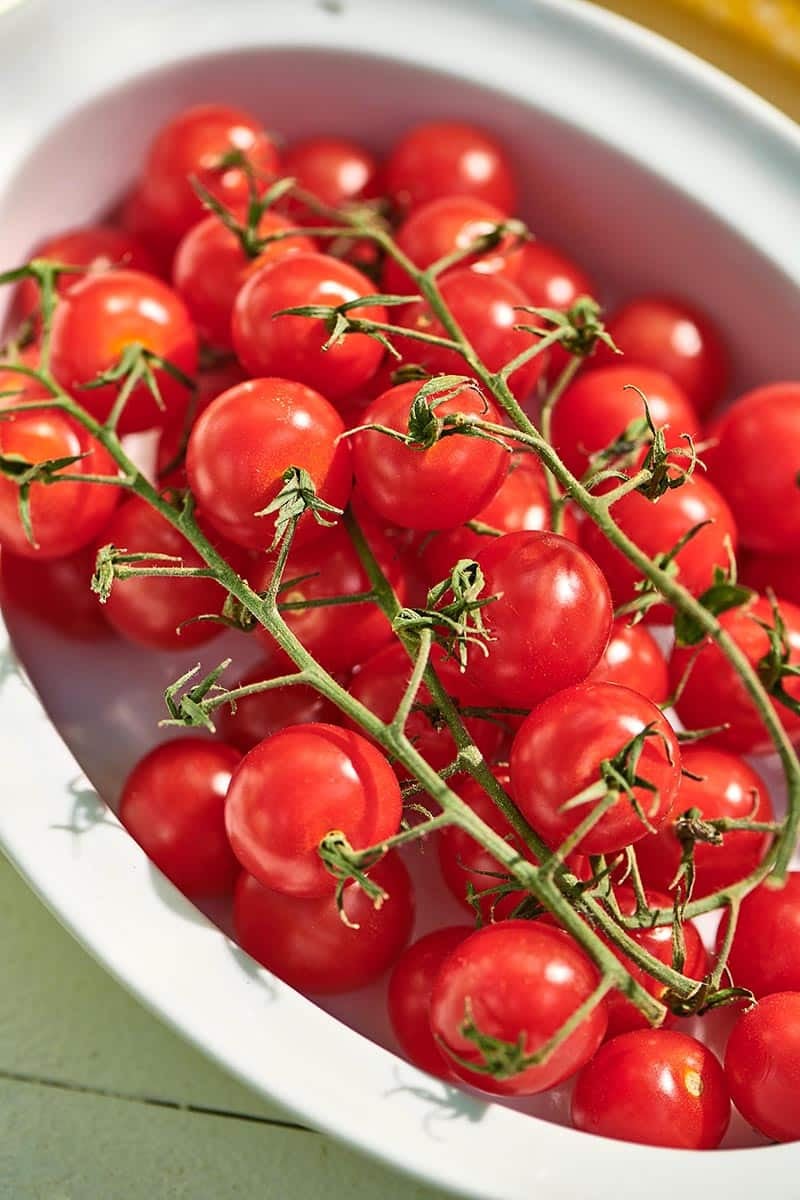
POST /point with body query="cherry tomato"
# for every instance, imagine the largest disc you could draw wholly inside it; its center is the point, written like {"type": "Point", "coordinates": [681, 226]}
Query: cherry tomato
{"type": "Point", "coordinates": [726, 787]}
{"type": "Point", "coordinates": [409, 998]}
{"type": "Point", "coordinates": [713, 690]}
{"type": "Point", "coordinates": [293, 346]}
{"type": "Point", "coordinates": [558, 753]}
{"type": "Point", "coordinates": [755, 464]}
{"type": "Point", "coordinates": [261, 714]}
{"type": "Point", "coordinates": [432, 488]}
{"type": "Point", "coordinates": [195, 145]}
{"type": "Point", "coordinates": [550, 621]}
{"type": "Point", "coordinates": [486, 308]}
{"type": "Point", "coordinates": [657, 939]}
{"type": "Point", "coordinates": [551, 280]}
{"type": "Point", "coordinates": [765, 956]}
{"type": "Point", "coordinates": [762, 1065]}
{"type": "Point", "coordinates": [339, 636]}
{"type": "Point", "coordinates": [440, 228]}
{"type": "Point", "coordinates": [517, 981]}
{"type": "Point", "coordinates": [297, 786]}
{"type": "Point", "coordinates": [96, 248]}
{"type": "Point", "coordinates": [677, 338]}
{"type": "Point", "coordinates": [449, 158]}
{"type": "Point", "coordinates": [173, 805]}
{"type": "Point", "coordinates": [634, 660]}
{"type": "Point", "coordinates": [778, 572]}
{"type": "Point", "coordinates": [210, 268]}
{"type": "Point", "coordinates": [152, 610]}
{"type": "Point", "coordinates": [520, 503]}
{"type": "Point", "coordinates": [654, 1086]}
{"type": "Point", "coordinates": [103, 315]}
{"type": "Point", "coordinates": [306, 943]}
{"type": "Point", "coordinates": [243, 443]}
{"type": "Point", "coordinates": [380, 684]}
{"type": "Point", "coordinates": [656, 527]}
{"type": "Point", "coordinates": [55, 591]}
{"type": "Point", "coordinates": [465, 862]}
{"type": "Point", "coordinates": [600, 406]}
{"type": "Point", "coordinates": [64, 516]}
{"type": "Point", "coordinates": [334, 170]}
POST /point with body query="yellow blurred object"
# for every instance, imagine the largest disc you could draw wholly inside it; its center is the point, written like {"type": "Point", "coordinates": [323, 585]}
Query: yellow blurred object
{"type": "Point", "coordinates": [756, 41]}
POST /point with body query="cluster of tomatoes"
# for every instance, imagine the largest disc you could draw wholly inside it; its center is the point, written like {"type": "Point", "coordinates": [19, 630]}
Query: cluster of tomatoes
{"type": "Point", "coordinates": [172, 294]}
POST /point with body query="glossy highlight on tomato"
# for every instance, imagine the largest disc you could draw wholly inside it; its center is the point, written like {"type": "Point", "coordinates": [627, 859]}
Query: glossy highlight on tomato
{"type": "Point", "coordinates": [449, 158]}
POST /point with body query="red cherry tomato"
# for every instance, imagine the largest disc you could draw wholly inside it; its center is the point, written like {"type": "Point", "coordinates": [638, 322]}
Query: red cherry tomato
{"type": "Point", "coordinates": [634, 660]}
{"type": "Point", "coordinates": [98, 319]}
{"type": "Point", "coordinates": [443, 226]}
{"type": "Point", "coordinates": [151, 610]}
{"type": "Point", "coordinates": [339, 636]}
{"type": "Point", "coordinates": [334, 170]}
{"type": "Point", "coordinates": [765, 956]}
{"type": "Point", "coordinates": [64, 516]}
{"type": "Point", "coordinates": [516, 981]}
{"type": "Point", "coordinates": [762, 1065]}
{"type": "Point", "coordinates": [726, 787]}
{"type": "Point", "coordinates": [550, 621]}
{"type": "Point", "coordinates": [140, 220]}
{"type": "Point", "coordinates": [600, 406]}
{"type": "Point", "coordinates": [210, 268]}
{"type": "Point", "coordinates": [297, 786]}
{"type": "Point", "coordinates": [55, 591]}
{"type": "Point", "coordinates": [550, 279]}
{"type": "Point", "coordinates": [433, 488]}
{"type": "Point", "coordinates": [293, 346]}
{"type": "Point", "coordinates": [173, 804]}
{"type": "Point", "coordinates": [308, 945]}
{"type": "Point", "coordinates": [657, 939]}
{"type": "Point", "coordinates": [261, 714]}
{"type": "Point", "coordinates": [486, 307]}
{"type": "Point", "coordinates": [755, 464]}
{"type": "Point", "coordinates": [520, 503]}
{"type": "Point", "coordinates": [656, 527]}
{"type": "Point", "coordinates": [558, 752]}
{"type": "Point", "coordinates": [96, 248]}
{"type": "Point", "coordinates": [714, 690]}
{"type": "Point", "coordinates": [654, 1086]}
{"type": "Point", "coordinates": [675, 337]}
{"type": "Point", "coordinates": [465, 862]}
{"type": "Point", "coordinates": [380, 684]}
{"type": "Point", "coordinates": [195, 145]}
{"type": "Point", "coordinates": [409, 997]}
{"type": "Point", "coordinates": [243, 443]}
{"type": "Point", "coordinates": [448, 158]}
{"type": "Point", "coordinates": [778, 572]}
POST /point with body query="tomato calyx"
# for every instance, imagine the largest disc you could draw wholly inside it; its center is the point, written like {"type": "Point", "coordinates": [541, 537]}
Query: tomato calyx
{"type": "Point", "coordinates": [24, 474]}
{"type": "Point", "coordinates": [457, 622]}
{"type": "Point", "coordinates": [775, 666]}
{"type": "Point", "coordinates": [247, 232]}
{"type": "Point", "coordinates": [350, 866]}
{"type": "Point", "coordinates": [339, 323]}
{"type": "Point", "coordinates": [136, 365]}
{"type": "Point", "coordinates": [577, 330]}
{"type": "Point", "coordinates": [297, 496]}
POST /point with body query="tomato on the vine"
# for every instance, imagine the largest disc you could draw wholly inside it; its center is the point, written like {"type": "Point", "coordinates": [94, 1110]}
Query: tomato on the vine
{"type": "Point", "coordinates": [336, 171]}
{"type": "Point", "coordinates": [104, 315]}
{"type": "Point", "coordinates": [717, 784]}
{"type": "Point", "coordinates": [654, 1086]}
{"type": "Point", "coordinates": [173, 804]}
{"type": "Point", "coordinates": [261, 714]}
{"type": "Point", "coordinates": [560, 751]}
{"type": "Point", "coordinates": [633, 659]}
{"type": "Point", "coordinates": [449, 158]}
{"type": "Point", "coordinates": [762, 1066]}
{"type": "Point", "coordinates": [201, 143]}
{"type": "Point", "coordinates": [710, 686]}
{"type": "Point", "coordinates": [549, 621]}
{"type": "Point", "coordinates": [299, 785]}
{"type": "Point", "coordinates": [306, 943]}
{"type": "Point", "coordinates": [292, 346]}
{"type": "Point", "coordinates": [409, 997]}
{"type": "Point", "coordinates": [550, 279]}
{"type": "Point", "coordinates": [765, 955]}
{"type": "Point", "coordinates": [516, 982]}
{"type": "Point", "coordinates": [210, 268]}
{"type": "Point", "coordinates": [434, 487]}
{"type": "Point", "coordinates": [244, 442]}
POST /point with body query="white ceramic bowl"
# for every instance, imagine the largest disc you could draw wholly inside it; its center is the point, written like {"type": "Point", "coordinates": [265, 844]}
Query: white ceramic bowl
{"type": "Point", "coordinates": [659, 173]}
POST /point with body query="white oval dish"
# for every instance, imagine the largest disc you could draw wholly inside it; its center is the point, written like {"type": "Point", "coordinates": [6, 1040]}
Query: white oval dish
{"type": "Point", "coordinates": [667, 175]}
